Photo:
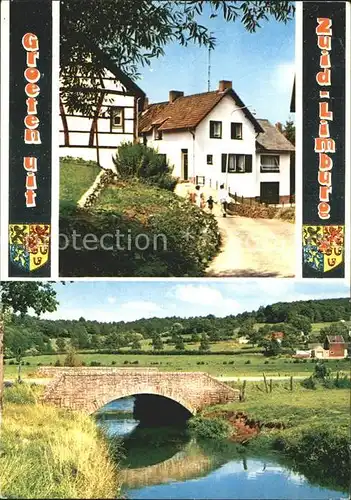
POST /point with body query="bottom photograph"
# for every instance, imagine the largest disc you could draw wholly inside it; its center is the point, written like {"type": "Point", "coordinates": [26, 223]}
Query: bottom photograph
{"type": "Point", "coordinates": [199, 389]}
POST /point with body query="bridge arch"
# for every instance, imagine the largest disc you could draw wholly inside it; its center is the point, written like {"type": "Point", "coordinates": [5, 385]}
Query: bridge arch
{"type": "Point", "coordinates": [96, 404]}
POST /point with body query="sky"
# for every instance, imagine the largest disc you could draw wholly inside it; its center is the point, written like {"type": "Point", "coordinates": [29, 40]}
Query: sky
{"type": "Point", "coordinates": [131, 300]}
{"type": "Point", "coordinates": [260, 65]}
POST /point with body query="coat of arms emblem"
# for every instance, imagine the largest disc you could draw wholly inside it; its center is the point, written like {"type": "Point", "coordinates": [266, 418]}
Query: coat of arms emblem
{"type": "Point", "coordinates": [29, 245]}
{"type": "Point", "coordinates": [323, 247]}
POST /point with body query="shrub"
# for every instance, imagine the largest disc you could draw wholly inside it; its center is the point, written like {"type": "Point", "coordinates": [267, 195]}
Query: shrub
{"type": "Point", "coordinates": [126, 362]}
{"type": "Point", "coordinates": [144, 163]}
{"type": "Point", "coordinates": [11, 362]}
{"type": "Point", "coordinates": [57, 363]}
{"type": "Point", "coordinates": [113, 363]}
{"type": "Point", "coordinates": [209, 428]}
{"type": "Point", "coordinates": [72, 359]}
{"type": "Point", "coordinates": [95, 363]}
{"type": "Point", "coordinates": [309, 383]}
{"type": "Point", "coordinates": [248, 362]}
{"type": "Point", "coordinates": [165, 219]}
{"type": "Point", "coordinates": [19, 394]}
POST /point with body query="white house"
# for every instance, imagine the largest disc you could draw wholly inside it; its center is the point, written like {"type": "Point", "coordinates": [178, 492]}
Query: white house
{"type": "Point", "coordinates": [113, 118]}
{"type": "Point", "coordinates": [212, 138]}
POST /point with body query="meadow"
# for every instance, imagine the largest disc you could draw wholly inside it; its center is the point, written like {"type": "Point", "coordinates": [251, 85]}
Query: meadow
{"type": "Point", "coordinates": [52, 453]}
{"type": "Point", "coordinates": [219, 365]}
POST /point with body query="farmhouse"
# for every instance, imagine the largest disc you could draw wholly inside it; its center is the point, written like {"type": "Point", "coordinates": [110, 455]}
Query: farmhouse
{"type": "Point", "coordinates": [94, 132]}
{"type": "Point", "coordinates": [336, 346]}
{"type": "Point", "coordinates": [213, 138]}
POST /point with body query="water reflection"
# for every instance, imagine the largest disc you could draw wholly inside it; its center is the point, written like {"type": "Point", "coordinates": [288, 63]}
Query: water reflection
{"type": "Point", "coordinates": [168, 463]}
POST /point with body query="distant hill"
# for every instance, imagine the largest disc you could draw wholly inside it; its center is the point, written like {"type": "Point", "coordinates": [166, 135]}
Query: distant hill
{"type": "Point", "coordinates": [44, 336]}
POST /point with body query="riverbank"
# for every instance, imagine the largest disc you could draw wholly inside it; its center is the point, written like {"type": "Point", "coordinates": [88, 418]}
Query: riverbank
{"type": "Point", "coordinates": [51, 453]}
{"type": "Point", "coordinates": [308, 426]}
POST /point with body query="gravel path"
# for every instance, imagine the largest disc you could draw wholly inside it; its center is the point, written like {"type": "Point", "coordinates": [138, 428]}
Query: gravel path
{"type": "Point", "coordinates": [255, 248]}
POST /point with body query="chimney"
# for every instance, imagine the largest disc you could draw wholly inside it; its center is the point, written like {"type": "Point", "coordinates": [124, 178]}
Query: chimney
{"type": "Point", "coordinates": [225, 84]}
{"type": "Point", "coordinates": [174, 94]}
{"type": "Point", "coordinates": [146, 103]}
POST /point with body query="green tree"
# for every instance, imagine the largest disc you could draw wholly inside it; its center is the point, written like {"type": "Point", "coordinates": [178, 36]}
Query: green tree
{"type": "Point", "coordinates": [134, 32]}
{"type": "Point", "coordinates": [271, 347]}
{"type": "Point", "coordinates": [136, 344]}
{"type": "Point", "coordinates": [61, 344]}
{"type": "Point", "coordinates": [289, 131]}
{"type": "Point", "coordinates": [179, 343]}
{"type": "Point", "coordinates": [157, 343]}
{"type": "Point", "coordinates": [195, 337]}
{"type": "Point", "coordinates": [339, 328]}
{"type": "Point", "coordinates": [301, 323]}
{"type": "Point", "coordinates": [72, 359]}
{"type": "Point", "coordinates": [20, 296]}
{"type": "Point", "coordinates": [204, 344]}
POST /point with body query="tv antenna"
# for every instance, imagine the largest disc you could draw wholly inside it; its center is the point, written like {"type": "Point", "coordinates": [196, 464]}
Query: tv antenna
{"type": "Point", "coordinates": [209, 69]}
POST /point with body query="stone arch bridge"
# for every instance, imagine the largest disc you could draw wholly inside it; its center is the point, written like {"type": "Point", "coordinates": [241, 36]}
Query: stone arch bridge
{"type": "Point", "coordinates": [89, 391]}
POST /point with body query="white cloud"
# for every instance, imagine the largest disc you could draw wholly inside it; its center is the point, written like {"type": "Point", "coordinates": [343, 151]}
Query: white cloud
{"type": "Point", "coordinates": [205, 295]}
{"type": "Point", "coordinates": [111, 300]}
{"type": "Point", "coordinates": [283, 77]}
{"type": "Point", "coordinates": [140, 306]}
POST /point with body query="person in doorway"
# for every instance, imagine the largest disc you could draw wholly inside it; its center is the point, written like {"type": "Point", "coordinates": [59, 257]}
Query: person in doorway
{"type": "Point", "coordinates": [223, 197]}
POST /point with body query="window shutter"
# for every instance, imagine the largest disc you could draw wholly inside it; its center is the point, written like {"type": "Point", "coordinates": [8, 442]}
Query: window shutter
{"type": "Point", "coordinates": [224, 163]}
{"type": "Point", "coordinates": [232, 130]}
{"type": "Point", "coordinates": [248, 163]}
{"type": "Point", "coordinates": [211, 130]}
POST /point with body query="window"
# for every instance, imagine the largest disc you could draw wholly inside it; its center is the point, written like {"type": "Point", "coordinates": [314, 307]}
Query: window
{"type": "Point", "coordinates": [157, 134]}
{"type": "Point", "coordinates": [236, 130]}
{"type": "Point", "coordinates": [117, 119]}
{"type": "Point", "coordinates": [215, 130]}
{"type": "Point", "coordinates": [200, 180]}
{"type": "Point", "coordinates": [209, 159]}
{"type": "Point", "coordinates": [270, 163]}
{"type": "Point", "coordinates": [233, 163]}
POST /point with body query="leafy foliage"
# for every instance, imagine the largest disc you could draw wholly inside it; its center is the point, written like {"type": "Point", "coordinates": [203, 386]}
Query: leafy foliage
{"type": "Point", "coordinates": [134, 32]}
{"type": "Point", "coordinates": [210, 428]}
{"type": "Point", "coordinates": [144, 163]}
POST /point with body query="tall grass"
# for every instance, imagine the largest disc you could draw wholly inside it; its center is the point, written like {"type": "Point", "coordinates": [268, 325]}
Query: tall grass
{"type": "Point", "coordinates": [51, 453]}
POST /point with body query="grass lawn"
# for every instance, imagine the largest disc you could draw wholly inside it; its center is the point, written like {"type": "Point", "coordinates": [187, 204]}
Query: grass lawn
{"type": "Point", "coordinates": [136, 200]}
{"type": "Point", "coordinates": [75, 180]}
{"type": "Point", "coordinates": [51, 453]}
{"type": "Point", "coordinates": [299, 407]}
{"type": "Point", "coordinates": [216, 365]}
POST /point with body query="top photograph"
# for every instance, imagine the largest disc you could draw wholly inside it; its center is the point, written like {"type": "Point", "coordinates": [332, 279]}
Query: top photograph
{"type": "Point", "coordinates": [177, 139]}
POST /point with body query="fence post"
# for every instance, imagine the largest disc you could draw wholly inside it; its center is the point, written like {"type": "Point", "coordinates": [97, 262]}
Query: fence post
{"type": "Point", "coordinates": [291, 384]}
{"type": "Point", "coordinates": [242, 391]}
{"type": "Point", "coordinates": [242, 200]}
{"type": "Point", "coordinates": [265, 382]}
{"type": "Point", "coordinates": [271, 385]}
{"type": "Point", "coordinates": [235, 197]}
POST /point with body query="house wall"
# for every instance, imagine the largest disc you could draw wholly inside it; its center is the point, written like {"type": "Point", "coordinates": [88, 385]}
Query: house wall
{"type": "Point", "coordinates": [283, 176]}
{"type": "Point", "coordinates": [336, 350]}
{"type": "Point", "coordinates": [244, 184]}
{"type": "Point", "coordinates": [109, 139]}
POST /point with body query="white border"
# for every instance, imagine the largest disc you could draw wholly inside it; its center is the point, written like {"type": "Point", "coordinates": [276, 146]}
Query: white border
{"type": "Point", "coordinates": [298, 137]}
{"type": "Point", "coordinates": [55, 124]}
{"type": "Point", "coordinates": [4, 134]}
{"type": "Point", "coordinates": [348, 146]}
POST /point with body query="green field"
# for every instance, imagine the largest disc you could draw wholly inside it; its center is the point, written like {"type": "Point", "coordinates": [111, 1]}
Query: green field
{"type": "Point", "coordinates": [217, 365]}
{"type": "Point", "coordinates": [75, 180]}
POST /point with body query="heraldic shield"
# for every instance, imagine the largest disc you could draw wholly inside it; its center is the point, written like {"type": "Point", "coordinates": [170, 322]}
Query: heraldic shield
{"type": "Point", "coordinates": [323, 247]}
{"type": "Point", "coordinates": [29, 245]}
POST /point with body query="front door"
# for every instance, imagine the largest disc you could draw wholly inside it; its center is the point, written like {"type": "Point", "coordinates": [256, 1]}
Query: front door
{"type": "Point", "coordinates": [185, 164]}
{"type": "Point", "coordinates": [269, 192]}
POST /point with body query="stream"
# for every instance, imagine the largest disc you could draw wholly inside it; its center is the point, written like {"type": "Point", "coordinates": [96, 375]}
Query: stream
{"type": "Point", "coordinates": [167, 463]}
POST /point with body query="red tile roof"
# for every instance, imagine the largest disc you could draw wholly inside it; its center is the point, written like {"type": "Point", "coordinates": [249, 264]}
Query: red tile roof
{"type": "Point", "coordinates": [335, 339]}
{"type": "Point", "coordinates": [188, 111]}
